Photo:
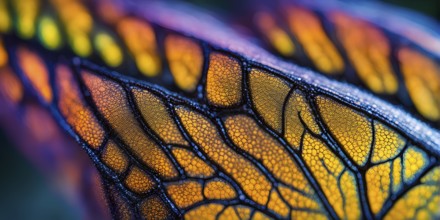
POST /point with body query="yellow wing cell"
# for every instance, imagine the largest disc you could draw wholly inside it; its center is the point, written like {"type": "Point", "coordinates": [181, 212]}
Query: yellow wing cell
{"type": "Point", "coordinates": [191, 163]}
{"type": "Point", "coordinates": [268, 94]}
{"type": "Point", "coordinates": [422, 80]}
{"type": "Point", "coordinates": [138, 181]}
{"type": "Point", "coordinates": [114, 157]}
{"type": "Point", "coordinates": [351, 129]}
{"type": "Point", "coordinates": [369, 51]}
{"type": "Point", "coordinates": [154, 208]}
{"type": "Point", "coordinates": [111, 101]}
{"type": "Point", "coordinates": [223, 80]}
{"type": "Point", "coordinates": [307, 28]}
{"type": "Point", "coordinates": [219, 189]}
{"type": "Point", "coordinates": [185, 193]}
{"type": "Point", "coordinates": [140, 39]}
{"type": "Point", "coordinates": [297, 111]}
{"type": "Point", "coordinates": [74, 109]}
{"type": "Point", "coordinates": [185, 59]}
{"type": "Point", "coordinates": [253, 181]}
{"type": "Point", "coordinates": [157, 116]}
{"type": "Point", "coordinates": [337, 183]}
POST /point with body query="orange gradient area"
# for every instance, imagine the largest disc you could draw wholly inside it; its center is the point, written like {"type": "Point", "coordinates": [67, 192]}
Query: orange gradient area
{"type": "Point", "coordinates": [422, 79]}
{"type": "Point", "coordinates": [140, 39]}
{"type": "Point", "coordinates": [10, 86]}
{"type": "Point", "coordinates": [185, 59]}
{"type": "Point", "coordinates": [35, 70]}
{"type": "Point", "coordinates": [276, 36]}
{"type": "Point", "coordinates": [3, 54]}
{"type": "Point", "coordinates": [78, 23]}
{"type": "Point", "coordinates": [109, 12]}
{"type": "Point", "coordinates": [369, 51]}
{"type": "Point", "coordinates": [74, 109]}
{"type": "Point", "coordinates": [26, 12]}
{"type": "Point", "coordinates": [306, 26]}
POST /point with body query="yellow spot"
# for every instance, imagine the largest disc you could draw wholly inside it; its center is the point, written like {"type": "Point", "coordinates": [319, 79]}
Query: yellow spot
{"type": "Point", "coordinates": [268, 94]}
{"type": "Point", "coordinates": [193, 165]}
{"type": "Point", "coordinates": [35, 70]}
{"type": "Point", "coordinates": [49, 33]}
{"type": "Point", "coordinates": [207, 212]}
{"type": "Point", "coordinates": [75, 110]}
{"type": "Point", "coordinates": [421, 202]}
{"type": "Point", "coordinates": [387, 143]}
{"type": "Point", "coordinates": [378, 185]}
{"type": "Point", "coordinates": [229, 214]}
{"type": "Point", "coordinates": [154, 208]}
{"type": "Point", "coordinates": [27, 11]}
{"type": "Point", "coordinates": [185, 194]}
{"type": "Point", "coordinates": [298, 200]}
{"type": "Point", "coordinates": [396, 175]}
{"type": "Point", "coordinates": [115, 158]}
{"type": "Point", "coordinates": [297, 214]}
{"type": "Point", "coordinates": [108, 49]}
{"type": "Point", "coordinates": [140, 39]}
{"type": "Point", "coordinates": [219, 189]}
{"type": "Point", "coordinates": [277, 205]}
{"type": "Point", "coordinates": [78, 23]}
{"type": "Point", "coordinates": [138, 181]}
{"type": "Point", "coordinates": [247, 135]}
{"type": "Point", "coordinates": [157, 116]}
{"type": "Point", "coordinates": [305, 25]}
{"type": "Point", "coordinates": [80, 44]}
{"type": "Point", "coordinates": [223, 83]}
{"type": "Point", "coordinates": [337, 183]}
{"type": "Point", "coordinates": [205, 135]}
{"type": "Point", "coordinates": [351, 129]}
{"type": "Point", "coordinates": [369, 51]}
{"type": "Point", "coordinates": [414, 160]}
{"type": "Point", "coordinates": [422, 80]}
{"type": "Point", "coordinates": [276, 36]}
{"type": "Point", "coordinates": [5, 17]}
{"type": "Point", "coordinates": [185, 59]}
{"type": "Point", "coordinates": [111, 101]}
{"type": "Point", "coordinates": [298, 109]}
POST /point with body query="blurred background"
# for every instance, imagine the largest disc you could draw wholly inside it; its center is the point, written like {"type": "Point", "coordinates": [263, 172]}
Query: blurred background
{"type": "Point", "coordinates": [26, 194]}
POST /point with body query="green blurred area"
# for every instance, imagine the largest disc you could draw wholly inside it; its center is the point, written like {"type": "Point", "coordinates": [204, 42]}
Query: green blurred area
{"type": "Point", "coordinates": [26, 194]}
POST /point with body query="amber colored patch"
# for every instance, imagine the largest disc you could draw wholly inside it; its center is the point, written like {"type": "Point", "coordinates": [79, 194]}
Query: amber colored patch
{"type": "Point", "coordinates": [3, 54]}
{"type": "Point", "coordinates": [296, 113]}
{"type": "Point", "coordinates": [337, 183]}
{"type": "Point", "coordinates": [185, 59]}
{"type": "Point", "coordinates": [35, 70]}
{"type": "Point", "coordinates": [306, 26]}
{"type": "Point", "coordinates": [218, 189]}
{"type": "Point", "coordinates": [208, 212]}
{"type": "Point", "coordinates": [223, 83]}
{"type": "Point", "coordinates": [369, 51]}
{"type": "Point", "coordinates": [276, 36]}
{"type": "Point", "coordinates": [75, 110]}
{"type": "Point", "coordinates": [422, 80]}
{"type": "Point", "coordinates": [205, 135]}
{"type": "Point", "coordinates": [154, 208]}
{"type": "Point", "coordinates": [156, 114]}
{"type": "Point", "coordinates": [114, 157]}
{"type": "Point", "coordinates": [268, 94]}
{"type": "Point", "coordinates": [185, 193]}
{"type": "Point", "coordinates": [140, 39]}
{"type": "Point", "coordinates": [138, 181]}
{"type": "Point", "coordinates": [351, 129]}
{"type": "Point", "coordinates": [111, 101]}
{"type": "Point", "coordinates": [193, 165]}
